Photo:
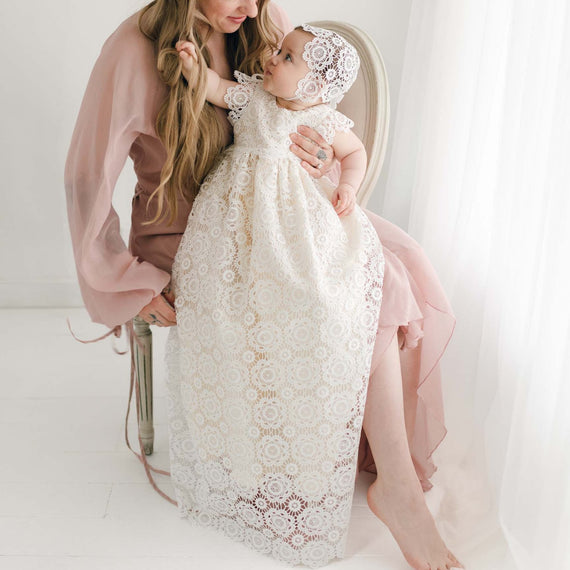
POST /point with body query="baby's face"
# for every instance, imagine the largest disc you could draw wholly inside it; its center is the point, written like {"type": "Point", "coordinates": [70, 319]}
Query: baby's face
{"type": "Point", "coordinates": [287, 67]}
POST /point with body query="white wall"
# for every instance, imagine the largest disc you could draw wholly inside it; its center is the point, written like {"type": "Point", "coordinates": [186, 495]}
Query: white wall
{"type": "Point", "coordinates": [48, 49]}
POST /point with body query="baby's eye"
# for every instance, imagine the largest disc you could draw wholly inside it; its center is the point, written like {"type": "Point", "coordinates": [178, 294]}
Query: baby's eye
{"type": "Point", "coordinates": [278, 52]}
{"type": "Point", "coordinates": [288, 57]}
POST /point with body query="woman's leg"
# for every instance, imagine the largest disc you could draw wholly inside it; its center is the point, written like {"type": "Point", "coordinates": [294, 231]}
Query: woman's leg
{"type": "Point", "coordinates": [396, 497]}
{"type": "Point", "coordinates": [410, 365]}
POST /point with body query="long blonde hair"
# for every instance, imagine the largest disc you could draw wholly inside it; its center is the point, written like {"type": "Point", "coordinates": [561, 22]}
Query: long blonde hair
{"type": "Point", "coordinates": [187, 124]}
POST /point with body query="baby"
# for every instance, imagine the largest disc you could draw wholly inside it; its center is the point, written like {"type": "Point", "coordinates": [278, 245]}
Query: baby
{"type": "Point", "coordinates": [277, 301]}
{"type": "Point", "coordinates": [302, 74]}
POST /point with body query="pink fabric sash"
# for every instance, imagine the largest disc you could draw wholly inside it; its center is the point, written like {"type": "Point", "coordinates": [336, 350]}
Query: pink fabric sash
{"type": "Point", "coordinates": [117, 331]}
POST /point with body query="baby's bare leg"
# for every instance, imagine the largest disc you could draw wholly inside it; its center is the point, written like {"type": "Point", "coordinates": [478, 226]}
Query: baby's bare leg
{"type": "Point", "coordinates": [396, 497]}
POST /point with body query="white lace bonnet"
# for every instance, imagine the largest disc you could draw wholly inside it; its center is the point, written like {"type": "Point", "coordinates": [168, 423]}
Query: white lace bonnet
{"type": "Point", "coordinates": [333, 67]}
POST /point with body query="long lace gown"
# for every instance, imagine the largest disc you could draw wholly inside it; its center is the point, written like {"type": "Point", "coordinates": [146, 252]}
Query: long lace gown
{"type": "Point", "coordinates": [277, 302]}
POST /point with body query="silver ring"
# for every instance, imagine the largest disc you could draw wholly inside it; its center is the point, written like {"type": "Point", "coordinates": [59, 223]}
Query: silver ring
{"type": "Point", "coordinates": [322, 155]}
{"type": "Point", "coordinates": [319, 165]}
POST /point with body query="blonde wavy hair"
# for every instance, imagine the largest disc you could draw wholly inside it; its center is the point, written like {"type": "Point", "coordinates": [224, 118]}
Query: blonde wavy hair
{"type": "Point", "coordinates": [187, 124]}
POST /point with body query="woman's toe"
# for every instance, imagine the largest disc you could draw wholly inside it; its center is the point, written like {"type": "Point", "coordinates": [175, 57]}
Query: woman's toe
{"type": "Point", "coordinates": [453, 561]}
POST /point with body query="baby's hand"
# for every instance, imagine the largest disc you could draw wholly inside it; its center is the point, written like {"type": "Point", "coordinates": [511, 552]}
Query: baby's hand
{"type": "Point", "coordinates": [187, 53]}
{"type": "Point", "coordinates": [344, 199]}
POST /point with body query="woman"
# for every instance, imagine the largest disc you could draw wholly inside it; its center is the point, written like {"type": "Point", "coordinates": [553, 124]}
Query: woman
{"type": "Point", "coordinates": [135, 106]}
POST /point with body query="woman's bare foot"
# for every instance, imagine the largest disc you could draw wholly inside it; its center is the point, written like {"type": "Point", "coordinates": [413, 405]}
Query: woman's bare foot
{"type": "Point", "coordinates": [402, 508]}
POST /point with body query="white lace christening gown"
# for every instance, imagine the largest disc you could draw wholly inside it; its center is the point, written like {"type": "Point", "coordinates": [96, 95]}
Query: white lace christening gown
{"type": "Point", "coordinates": [277, 303]}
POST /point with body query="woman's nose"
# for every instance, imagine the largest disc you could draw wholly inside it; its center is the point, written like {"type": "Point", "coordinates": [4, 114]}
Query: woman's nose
{"type": "Point", "coordinates": [249, 8]}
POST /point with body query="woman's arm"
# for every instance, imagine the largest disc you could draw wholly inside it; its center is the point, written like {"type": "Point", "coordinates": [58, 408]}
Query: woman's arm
{"type": "Point", "coordinates": [117, 106]}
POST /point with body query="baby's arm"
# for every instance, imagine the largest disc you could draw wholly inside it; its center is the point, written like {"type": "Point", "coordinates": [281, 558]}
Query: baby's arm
{"type": "Point", "coordinates": [350, 151]}
{"type": "Point", "coordinates": [216, 87]}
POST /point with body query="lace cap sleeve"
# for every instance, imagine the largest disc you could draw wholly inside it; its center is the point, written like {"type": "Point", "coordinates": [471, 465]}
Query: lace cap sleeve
{"type": "Point", "coordinates": [333, 122]}
{"type": "Point", "coordinates": [239, 96]}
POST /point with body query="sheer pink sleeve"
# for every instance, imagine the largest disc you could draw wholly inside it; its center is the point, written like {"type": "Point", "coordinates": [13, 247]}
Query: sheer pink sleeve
{"type": "Point", "coordinates": [117, 107]}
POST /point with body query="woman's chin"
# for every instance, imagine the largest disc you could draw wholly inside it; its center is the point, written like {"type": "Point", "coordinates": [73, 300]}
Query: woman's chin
{"type": "Point", "coordinates": [226, 26]}
{"type": "Point", "coordinates": [230, 26]}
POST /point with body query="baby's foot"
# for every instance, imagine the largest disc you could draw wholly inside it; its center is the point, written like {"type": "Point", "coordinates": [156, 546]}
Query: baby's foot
{"type": "Point", "coordinates": [402, 508]}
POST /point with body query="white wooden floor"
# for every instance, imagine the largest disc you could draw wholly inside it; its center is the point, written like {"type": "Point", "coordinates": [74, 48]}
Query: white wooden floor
{"type": "Point", "coordinates": [72, 495]}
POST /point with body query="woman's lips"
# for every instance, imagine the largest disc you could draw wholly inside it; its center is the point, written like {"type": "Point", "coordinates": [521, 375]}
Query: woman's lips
{"type": "Point", "coordinates": [238, 20]}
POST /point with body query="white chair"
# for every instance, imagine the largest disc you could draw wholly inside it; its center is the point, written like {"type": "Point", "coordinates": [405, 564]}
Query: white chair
{"type": "Point", "coordinates": [368, 105]}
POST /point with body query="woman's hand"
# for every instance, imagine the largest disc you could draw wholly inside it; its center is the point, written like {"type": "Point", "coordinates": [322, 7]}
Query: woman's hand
{"type": "Point", "coordinates": [187, 54]}
{"type": "Point", "coordinates": [317, 156]}
{"type": "Point", "coordinates": [160, 311]}
{"type": "Point", "coordinates": [344, 199]}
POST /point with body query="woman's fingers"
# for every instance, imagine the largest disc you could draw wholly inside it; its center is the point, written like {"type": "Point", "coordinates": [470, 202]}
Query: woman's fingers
{"type": "Point", "coordinates": [159, 312]}
{"type": "Point", "coordinates": [314, 172]}
{"type": "Point", "coordinates": [305, 155]}
{"type": "Point", "coordinates": [169, 296]}
{"type": "Point", "coordinates": [166, 312]}
{"type": "Point", "coordinates": [313, 135]}
{"type": "Point", "coordinates": [307, 145]}
{"type": "Point", "coordinates": [312, 148]}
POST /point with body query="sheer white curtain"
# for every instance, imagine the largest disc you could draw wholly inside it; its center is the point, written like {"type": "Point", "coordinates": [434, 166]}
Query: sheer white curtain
{"type": "Point", "coordinates": [480, 176]}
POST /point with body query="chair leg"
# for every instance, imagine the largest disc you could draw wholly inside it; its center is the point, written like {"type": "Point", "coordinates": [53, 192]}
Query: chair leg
{"type": "Point", "coordinates": [143, 376]}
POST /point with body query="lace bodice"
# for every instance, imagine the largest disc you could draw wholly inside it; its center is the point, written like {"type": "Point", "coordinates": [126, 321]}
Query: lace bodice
{"type": "Point", "coordinates": [263, 127]}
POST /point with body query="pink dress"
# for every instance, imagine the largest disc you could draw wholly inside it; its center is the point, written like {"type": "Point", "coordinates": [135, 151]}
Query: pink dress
{"type": "Point", "coordinates": [117, 120]}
